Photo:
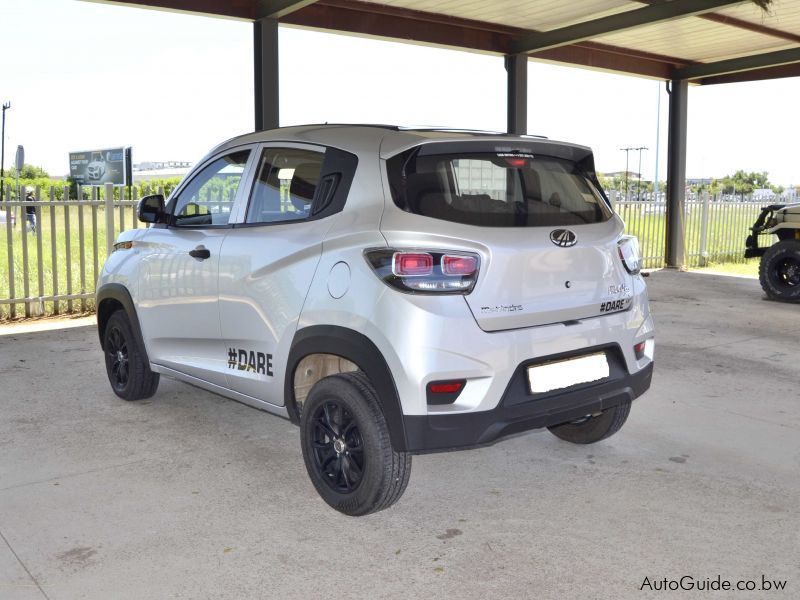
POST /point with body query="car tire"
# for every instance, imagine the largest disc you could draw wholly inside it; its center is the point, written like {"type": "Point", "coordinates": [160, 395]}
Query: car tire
{"type": "Point", "coordinates": [595, 428]}
{"type": "Point", "coordinates": [779, 271]}
{"type": "Point", "coordinates": [346, 446]}
{"type": "Point", "coordinates": [128, 372]}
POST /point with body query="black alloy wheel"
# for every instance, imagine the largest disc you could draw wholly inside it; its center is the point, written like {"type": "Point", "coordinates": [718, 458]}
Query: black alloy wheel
{"type": "Point", "coordinates": [126, 365]}
{"type": "Point", "coordinates": [338, 448]}
{"type": "Point", "coordinates": [347, 448]}
{"type": "Point", "coordinates": [117, 357]}
{"type": "Point", "coordinates": [787, 271]}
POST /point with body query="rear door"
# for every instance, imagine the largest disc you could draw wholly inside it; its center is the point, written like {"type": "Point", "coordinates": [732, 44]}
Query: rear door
{"type": "Point", "coordinates": [547, 235]}
{"type": "Point", "coordinates": [269, 260]}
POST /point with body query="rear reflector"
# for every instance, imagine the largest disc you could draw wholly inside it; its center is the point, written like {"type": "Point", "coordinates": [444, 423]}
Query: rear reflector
{"type": "Point", "coordinates": [446, 387]}
{"type": "Point", "coordinates": [444, 392]}
{"type": "Point", "coordinates": [414, 264]}
{"type": "Point", "coordinates": [638, 349]}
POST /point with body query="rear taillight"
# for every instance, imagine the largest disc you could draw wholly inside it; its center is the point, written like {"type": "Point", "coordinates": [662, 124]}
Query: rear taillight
{"type": "Point", "coordinates": [644, 349]}
{"type": "Point", "coordinates": [459, 265]}
{"type": "Point", "coordinates": [628, 249]}
{"type": "Point", "coordinates": [429, 272]}
{"type": "Point", "coordinates": [412, 264]}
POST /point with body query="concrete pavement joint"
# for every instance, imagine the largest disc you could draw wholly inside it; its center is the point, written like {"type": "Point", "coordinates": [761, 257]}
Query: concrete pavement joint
{"type": "Point", "coordinates": [734, 342]}
{"type": "Point", "coordinates": [22, 564]}
{"type": "Point", "coordinates": [733, 413]}
{"type": "Point", "coordinates": [767, 421]}
{"type": "Point", "coordinates": [69, 475]}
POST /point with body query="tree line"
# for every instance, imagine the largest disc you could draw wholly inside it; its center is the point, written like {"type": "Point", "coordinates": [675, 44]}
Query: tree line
{"type": "Point", "coordinates": [741, 183]}
{"type": "Point", "coordinates": [33, 176]}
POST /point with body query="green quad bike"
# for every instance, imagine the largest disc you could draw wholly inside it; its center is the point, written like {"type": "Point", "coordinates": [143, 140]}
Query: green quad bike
{"type": "Point", "coordinates": [779, 271]}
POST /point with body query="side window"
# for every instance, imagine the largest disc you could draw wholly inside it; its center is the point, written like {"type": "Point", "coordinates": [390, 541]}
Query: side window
{"type": "Point", "coordinates": [285, 185]}
{"type": "Point", "coordinates": [209, 196]}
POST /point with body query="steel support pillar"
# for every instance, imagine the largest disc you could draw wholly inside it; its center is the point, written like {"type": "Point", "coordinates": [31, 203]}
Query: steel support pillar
{"type": "Point", "coordinates": [517, 102]}
{"type": "Point", "coordinates": [676, 173]}
{"type": "Point", "coordinates": [265, 64]}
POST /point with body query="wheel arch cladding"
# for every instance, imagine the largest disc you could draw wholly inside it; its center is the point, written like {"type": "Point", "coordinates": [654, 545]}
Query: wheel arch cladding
{"type": "Point", "coordinates": [357, 348]}
{"type": "Point", "coordinates": [111, 297]}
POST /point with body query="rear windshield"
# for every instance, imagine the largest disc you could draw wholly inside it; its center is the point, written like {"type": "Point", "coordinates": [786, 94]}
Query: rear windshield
{"type": "Point", "coordinates": [495, 189]}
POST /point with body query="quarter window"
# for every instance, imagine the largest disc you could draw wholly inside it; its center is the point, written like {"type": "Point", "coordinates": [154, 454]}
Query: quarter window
{"type": "Point", "coordinates": [285, 185]}
{"type": "Point", "coordinates": [209, 196]}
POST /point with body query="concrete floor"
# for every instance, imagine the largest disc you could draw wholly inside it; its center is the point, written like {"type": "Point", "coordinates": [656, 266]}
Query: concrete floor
{"type": "Point", "coordinates": [194, 496]}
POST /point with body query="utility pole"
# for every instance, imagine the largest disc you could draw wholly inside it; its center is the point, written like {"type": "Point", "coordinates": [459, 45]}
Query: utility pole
{"type": "Point", "coordinates": [658, 131]}
{"type": "Point", "coordinates": [639, 187]}
{"type": "Point", "coordinates": [6, 106]}
{"type": "Point", "coordinates": [627, 151]}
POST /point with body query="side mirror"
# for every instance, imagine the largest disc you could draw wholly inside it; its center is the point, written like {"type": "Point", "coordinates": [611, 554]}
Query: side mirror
{"type": "Point", "coordinates": [151, 209]}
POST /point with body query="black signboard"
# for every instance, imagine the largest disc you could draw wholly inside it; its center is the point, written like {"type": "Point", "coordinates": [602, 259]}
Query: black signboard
{"type": "Point", "coordinates": [98, 167]}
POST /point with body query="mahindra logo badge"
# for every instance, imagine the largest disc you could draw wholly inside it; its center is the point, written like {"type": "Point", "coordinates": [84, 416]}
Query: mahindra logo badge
{"type": "Point", "coordinates": [563, 238]}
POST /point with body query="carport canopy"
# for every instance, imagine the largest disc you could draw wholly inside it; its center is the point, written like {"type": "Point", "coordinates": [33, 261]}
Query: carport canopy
{"type": "Point", "coordinates": [700, 42]}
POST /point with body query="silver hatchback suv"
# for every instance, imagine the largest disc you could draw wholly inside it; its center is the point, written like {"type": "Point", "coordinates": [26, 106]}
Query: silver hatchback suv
{"type": "Point", "coordinates": [392, 291]}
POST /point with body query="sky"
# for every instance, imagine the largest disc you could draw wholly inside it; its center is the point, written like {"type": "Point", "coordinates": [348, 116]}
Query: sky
{"type": "Point", "coordinates": [81, 76]}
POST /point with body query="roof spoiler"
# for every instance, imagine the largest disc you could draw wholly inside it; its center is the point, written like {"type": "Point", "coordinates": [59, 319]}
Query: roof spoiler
{"type": "Point", "coordinates": [581, 155]}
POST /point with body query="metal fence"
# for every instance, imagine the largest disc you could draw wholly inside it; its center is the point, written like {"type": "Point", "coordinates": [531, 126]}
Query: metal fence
{"type": "Point", "coordinates": [54, 270]}
{"type": "Point", "coordinates": [715, 227]}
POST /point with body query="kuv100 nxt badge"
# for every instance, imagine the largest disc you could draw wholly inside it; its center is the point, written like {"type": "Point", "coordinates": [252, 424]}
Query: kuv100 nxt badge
{"type": "Point", "coordinates": [250, 360]}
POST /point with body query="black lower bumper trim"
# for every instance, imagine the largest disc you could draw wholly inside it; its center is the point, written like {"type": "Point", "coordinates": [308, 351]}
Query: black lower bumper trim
{"type": "Point", "coordinates": [433, 433]}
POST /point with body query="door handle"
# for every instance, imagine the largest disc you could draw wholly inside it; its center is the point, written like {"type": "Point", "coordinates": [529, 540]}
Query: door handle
{"type": "Point", "coordinates": [200, 252]}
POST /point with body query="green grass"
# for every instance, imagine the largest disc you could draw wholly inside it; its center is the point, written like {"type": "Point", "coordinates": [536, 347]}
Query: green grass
{"type": "Point", "coordinates": [748, 268]}
{"type": "Point", "coordinates": [57, 264]}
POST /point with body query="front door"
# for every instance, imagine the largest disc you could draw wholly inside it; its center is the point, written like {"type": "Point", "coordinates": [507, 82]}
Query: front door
{"type": "Point", "coordinates": [178, 278]}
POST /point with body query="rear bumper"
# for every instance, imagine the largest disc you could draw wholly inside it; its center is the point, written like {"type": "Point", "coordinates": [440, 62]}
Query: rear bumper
{"type": "Point", "coordinates": [520, 411]}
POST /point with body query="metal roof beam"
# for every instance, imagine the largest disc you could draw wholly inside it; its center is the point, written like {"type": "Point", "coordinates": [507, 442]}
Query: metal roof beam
{"type": "Point", "coordinates": [237, 9]}
{"type": "Point", "coordinates": [648, 15]}
{"type": "Point", "coordinates": [275, 9]}
{"type": "Point", "coordinates": [790, 70]}
{"type": "Point", "coordinates": [735, 65]}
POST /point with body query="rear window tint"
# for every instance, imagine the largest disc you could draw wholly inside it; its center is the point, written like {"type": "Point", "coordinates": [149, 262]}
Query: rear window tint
{"type": "Point", "coordinates": [496, 190]}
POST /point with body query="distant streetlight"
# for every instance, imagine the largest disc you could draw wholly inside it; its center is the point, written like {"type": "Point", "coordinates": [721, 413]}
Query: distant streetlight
{"type": "Point", "coordinates": [626, 151]}
{"type": "Point", "coordinates": [6, 106]}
